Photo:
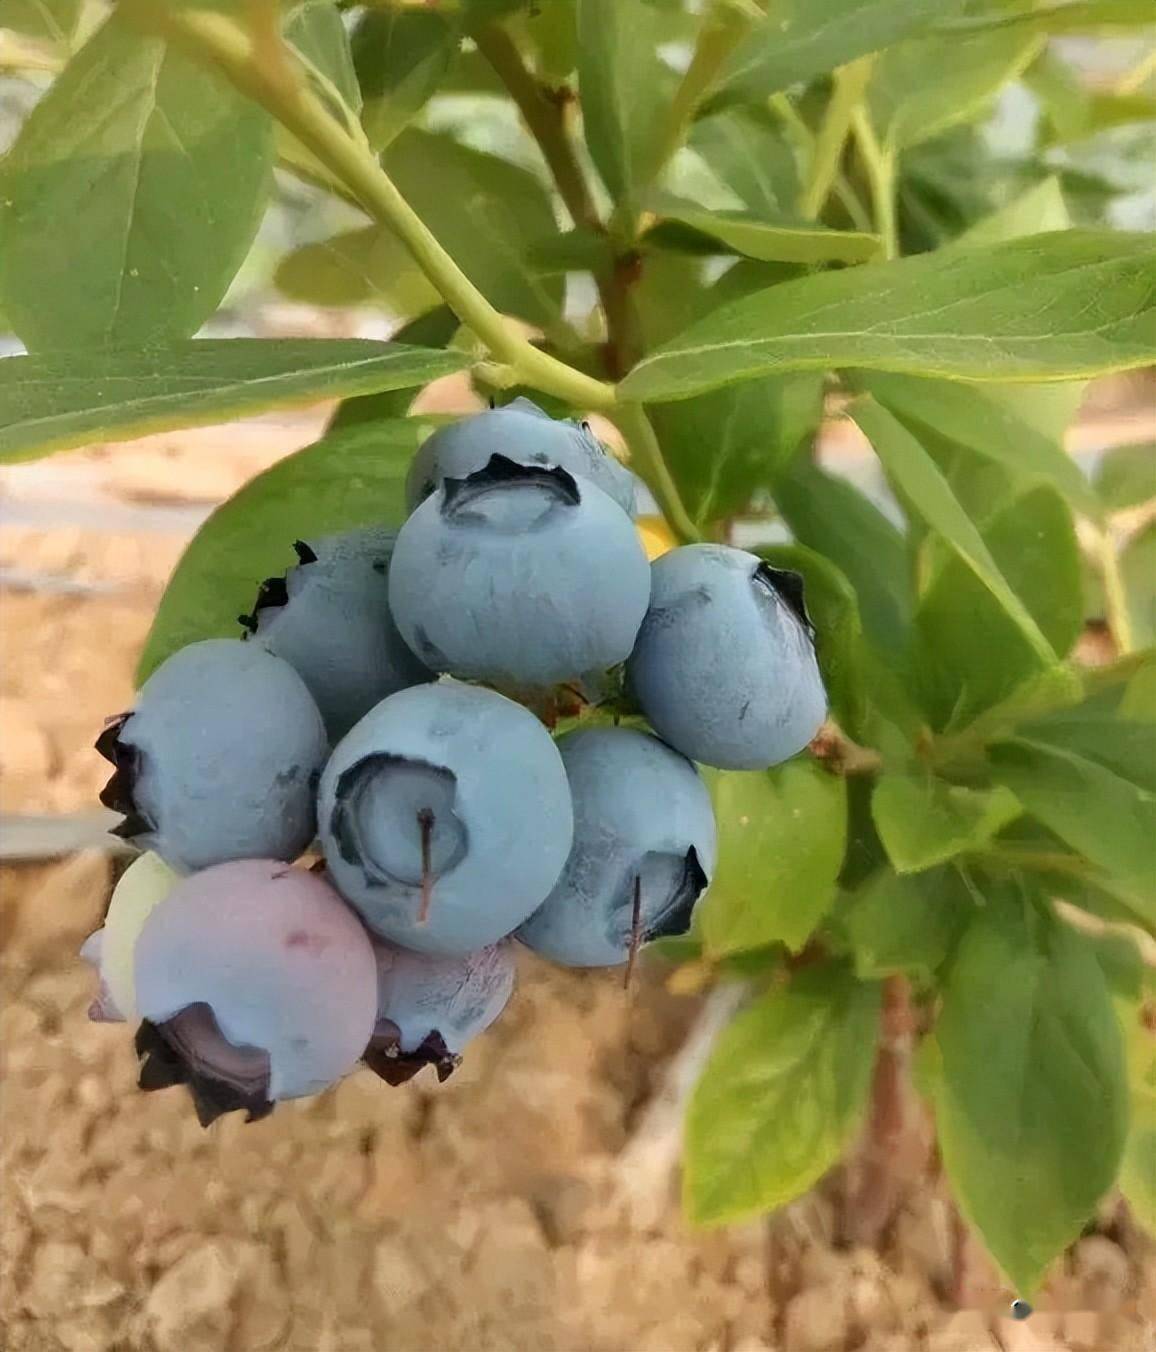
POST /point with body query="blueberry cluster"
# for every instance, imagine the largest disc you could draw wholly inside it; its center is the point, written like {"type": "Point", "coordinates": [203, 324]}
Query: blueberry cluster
{"type": "Point", "coordinates": [391, 708]}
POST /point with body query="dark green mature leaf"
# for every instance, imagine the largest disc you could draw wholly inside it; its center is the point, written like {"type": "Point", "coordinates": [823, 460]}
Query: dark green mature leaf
{"type": "Point", "coordinates": [1126, 477]}
{"type": "Point", "coordinates": [401, 57]}
{"type": "Point", "coordinates": [781, 839]}
{"type": "Point", "coordinates": [752, 157]}
{"type": "Point", "coordinates": [1138, 1168]}
{"type": "Point", "coordinates": [357, 267]}
{"type": "Point", "coordinates": [625, 90]}
{"type": "Point", "coordinates": [1031, 1105]}
{"type": "Point", "coordinates": [316, 30]}
{"type": "Point", "coordinates": [924, 821]}
{"type": "Point", "coordinates": [905, 924]}
{"type": "Point", "coordinates": [834, 610]}
{"type": "Point", "coordinates": [724, 446]}
{"type": "Point", "coordinates": [832, 517]}
{"type": "Point", "coordinates": [969, 653]}
{"type": "Point", "coordinates": [919, 89]}
{"type": "Point", "coordinates": [922, 483]}
{"type": "Point", "coordinates": [1072, 16]}
{"type": "Point", "coordinates": [745, 234]}
{"type": "Point", "coordinates": [353, 478]}
{"type": "Point", "coordinates": [1122, 743]}
{"type": "Point", "coordinates": [114, 228]}
{"type": "Point", "coordinates": [1106, 817]}
{"type": "Point", "coordinates": [804, 38]}
{"type": "Point", "coordinates": [1059, 306]}
{"type": "Point", "coordinates": [781, 1097]}
{"type": "Point", "coordinates": [486, 212]}
{"type": "Point", "coordinates": [435, 328]}
{"type": "Point", "coordinates": [54, 401]}
{"type": "Point", "coordinates": [996, 422]}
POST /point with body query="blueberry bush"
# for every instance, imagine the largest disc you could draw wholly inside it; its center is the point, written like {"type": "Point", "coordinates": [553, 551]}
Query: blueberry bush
{"type": "Point", "coordinates": [689, 229]}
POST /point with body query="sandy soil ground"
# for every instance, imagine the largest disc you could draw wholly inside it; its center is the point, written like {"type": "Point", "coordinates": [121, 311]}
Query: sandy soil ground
{"type": "Point", "coordinates": [524, 1206]}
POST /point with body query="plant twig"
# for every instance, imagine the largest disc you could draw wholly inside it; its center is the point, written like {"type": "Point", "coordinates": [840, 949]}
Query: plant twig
{"type": "Point", "coordinates": [879, 162]}
{"type": "Point", "coordinates": [804, 138]}
{"type": "Point", "coordinates": [850, 83]}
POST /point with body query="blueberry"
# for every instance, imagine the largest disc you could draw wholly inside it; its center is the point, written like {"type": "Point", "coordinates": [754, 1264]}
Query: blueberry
{"type": "Point", "coordinates": [329, 618]}
{"type": "Point", "coordinates": [522, 577]}
{"type": "Point", "coordinates": [724, 667]}
{"type": "Point", "coordinates": [219, 759]}
{"type": "Point", "coordinates": [256, 983]}
{"type": "Point", "coordinates": [644, 834]}
{"type": "Point", "coordinates": [140, 889]}
{"type": "Point", "coordinates": [522, 432]}
{"type": "Point", "coordinates": [445, 817]}
{"type": "Point", "coordinates": [428, 1008]}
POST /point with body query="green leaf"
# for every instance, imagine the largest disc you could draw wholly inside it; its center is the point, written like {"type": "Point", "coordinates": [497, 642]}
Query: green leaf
{"type": "Point", "coordinates": [745, 234]}
{"type": "Point", "coordinates": [924, 821]}
{"type": "Point", "coordinates": [487, 213]}
{"type": "Point", "coordinates": [834, 610]}
{"type": "Point", "coordinates": [994, 421]}
{"type": "Point", "coordinates": [625, 91]}
{"type": "Point", "coordinates": [782, 1096]}
{"type": "Point", "coordinates": [401, 57]}
{"type": "Point", "coordinates": [963, 314]}
{"type": "Point", "coordinates": [435, 328]}
{"type": "Point", "coordinates": [832, 517]}
{"type": "Point", "coordinates": [48, 20]}
{"type": "Point", "coordinates": [1031, 1105]}
{"type": "Point", "coordinates": [907, 924]}
{"type": "Point", "coordinates": [1074, 16]}
{"type": "Point", "coordinates": [909, 465]}
{"type": "Point", "coordinates": [357, 267]}
{"type": "Point", "coordinates": [1139, 699]}
{"type": "Point", "coordinates": [752, 157]}
{"type": "Point", "coordinates": [959, 624]}
{"type": "Point", "coordinates": [804, 38]}
{"type": "Point", "coordinates": [781, 838]}
{"type": "Point", "coordinates": [749, 431]}
{"type": "Point", "coordinates": [1138, 571]}
{"type": "Point", "coordinates": [55, 401]}
{"type": "Point", "coordinates": [1138, 1169]}
{"type": "Point", "coordinates": [353, 478]}
{"type": "Point", "coordinates": [1124, 744]}
{"type": "Point", "coordinates": [1126, 477]}
{"type": "Point", "coordinates": [919, 89]}
{"type": "Point", "coordinates": [114, 228]}
{"type": "Point", "coordinates": [316, 30]}
{"type": "Point", "coordinates": [1109, 820]}
{"type": "Point", "coordinates": [1038, 211]}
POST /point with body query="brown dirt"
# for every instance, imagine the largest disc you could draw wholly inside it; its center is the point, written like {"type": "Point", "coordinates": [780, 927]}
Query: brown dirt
{"type": "Point", "coordinates": [488, 1214]}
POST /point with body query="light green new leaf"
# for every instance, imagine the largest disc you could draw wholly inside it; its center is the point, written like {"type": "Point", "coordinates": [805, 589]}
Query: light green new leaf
{"type": "Point", "coordinates": [52, 21]}
{"type": "Point", "coordinates": [924, 821]}
{"type": "Point", "coordinates": [1070, 17]}
{"type": "Point", "coordinates": [625, 91]}
{"type": "Point", "coordinates": [114, 227]}
{"type": "Point", "coordinates": [996, 422]}
{"type": "Point", "coordinates": [919, 89]}
{"type": "Point", "coordinates": [55, 401]}
{"type": "Point", "coordinates": [1038, 211]}
{"type": "Point", "coordinates": [753, 158]}
{"type": "Point", "coordinates": [315, 28]}
{"type": "Point", "coordinates": [905, 924]}
{"type": "Point", "coordinates": [923, 484]}
{"type": "Point", "coordinates": [1126, 477]}
{"type": "Point", "coordinates": [781, 1097]}
{"type": "Point", "coordinates": [401, 57]}
{"type": "Point", "coordinates": [804, 38]}
{"type": "Point", "coordinates": [1138, 1169]}
{"type": "Point", "coordinates": [781, 835]}
{"type": "Point", "coordinates": [1031, 1105]}
{"type": "Point", "coordinates": [735, 232]}
{"type": "Point", "coordinates": [1049, 307]}
{"type": "Point", "coordinates": [1107, 818]}
{"type": "Point", "coordinates": [1138, 571]}
{"type": "Point", "coordinates": [352, 478]}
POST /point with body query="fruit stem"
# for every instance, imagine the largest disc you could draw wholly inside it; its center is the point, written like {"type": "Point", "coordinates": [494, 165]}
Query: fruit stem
{"type": "Point", "coordinates": [635, 931]}
{"type": "Point", "coordinates": [647, 460]}
{"type": "Point", "coordinates": [217, 41]}
{"type": "Point", "coordinates": [425, 821]}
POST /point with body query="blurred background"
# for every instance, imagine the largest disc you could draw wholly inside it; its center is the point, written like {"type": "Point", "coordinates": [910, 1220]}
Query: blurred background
{"type": "Point", "coordinates": [530, 1202]}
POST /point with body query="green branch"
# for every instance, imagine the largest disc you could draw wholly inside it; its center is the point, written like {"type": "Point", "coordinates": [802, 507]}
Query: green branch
{"type": "Point", "coordinates": [879, 162]}
{"type": "Point", "coordinates": [827, 152]}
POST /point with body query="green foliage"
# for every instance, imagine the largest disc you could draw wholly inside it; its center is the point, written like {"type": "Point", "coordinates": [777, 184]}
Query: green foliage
{"type": "Point", "coordinates": [782, 1095]}
{"type": "Point", "coordinates": [769, 253]}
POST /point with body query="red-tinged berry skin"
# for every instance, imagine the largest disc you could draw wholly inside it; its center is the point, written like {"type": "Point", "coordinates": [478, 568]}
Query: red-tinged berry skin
{"type": "Point", "coordinates": [260, 982]}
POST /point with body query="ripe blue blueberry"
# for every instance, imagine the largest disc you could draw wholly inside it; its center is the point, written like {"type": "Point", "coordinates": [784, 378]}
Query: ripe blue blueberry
{"type": "Point", "coordinates": [428, 1008]}
{"type": "Point", "coordinates": [445, 817]}
{"type": "Point", "coordinates": [522, 577]}
{"type": "Point", "coordinates": [329, 618]}
{"type": "Point", "coordinates": [256, 983]}
{"type": "Point", "coordinates": [724, 667]}
{"type": "Point", "coordinates": [219, 759]}
{"type": "Point", "coordinates": [643, 853]}
{"type": "Point", "coordinates": [522, 432]}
